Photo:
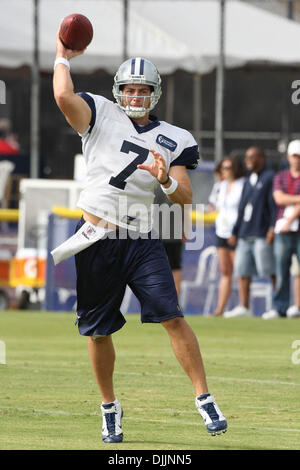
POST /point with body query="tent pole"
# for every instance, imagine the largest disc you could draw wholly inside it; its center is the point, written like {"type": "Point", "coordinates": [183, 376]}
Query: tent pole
{"type": "Point", "coordinates": [170, 98]}
{"type": "Point", "coordinates": [35, 94]}
{"type": "Point", "coordinates": [220, 89]}
{"type": "Point", "coordinates": [290, 9]}
{"type": "Point", "coordinates": [197, 109]}
{"type": "Point", "coordinates": [125, 32]}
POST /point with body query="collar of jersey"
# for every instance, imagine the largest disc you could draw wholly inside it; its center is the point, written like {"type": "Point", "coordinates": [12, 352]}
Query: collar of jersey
{"type": "Point", "coordinates": [141, 129]}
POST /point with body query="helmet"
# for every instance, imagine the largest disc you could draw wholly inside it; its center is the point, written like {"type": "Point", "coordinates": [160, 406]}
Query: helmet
{"type": "Point", "coordinates": [137, 71]}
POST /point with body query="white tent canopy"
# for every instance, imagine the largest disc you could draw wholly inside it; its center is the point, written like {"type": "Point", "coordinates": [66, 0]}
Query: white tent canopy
{"type": "Point", "coordinates": [173, 34]}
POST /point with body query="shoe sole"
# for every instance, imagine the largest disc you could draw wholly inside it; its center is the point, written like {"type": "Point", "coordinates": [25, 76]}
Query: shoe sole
{"type": "Point", "coordinates": [214, 433]}
{"type": "Point", "coordinates": [112, 439]}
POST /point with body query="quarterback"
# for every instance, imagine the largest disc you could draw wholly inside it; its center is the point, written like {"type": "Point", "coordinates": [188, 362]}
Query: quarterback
{"type": "Point", "coordinates": [128, 152]}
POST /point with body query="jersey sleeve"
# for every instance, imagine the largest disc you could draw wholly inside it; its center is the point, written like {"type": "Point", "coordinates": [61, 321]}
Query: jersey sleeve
{"type": "Point", "coordinates": [91, 102]}
{"type": "Point", "coordinates": [99, 106]}
{"type": "Point", "coordinates": [189, 158]}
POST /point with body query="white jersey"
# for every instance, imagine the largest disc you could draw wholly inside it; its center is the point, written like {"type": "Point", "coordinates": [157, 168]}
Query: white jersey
{"type": "Point", "coordinates": [227, 205]}
{"type": "Point", "coordinates": [116, 190]}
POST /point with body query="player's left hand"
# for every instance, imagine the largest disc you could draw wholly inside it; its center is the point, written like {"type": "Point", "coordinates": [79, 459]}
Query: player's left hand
{"type": "Point", "coordinates": [158, 167]}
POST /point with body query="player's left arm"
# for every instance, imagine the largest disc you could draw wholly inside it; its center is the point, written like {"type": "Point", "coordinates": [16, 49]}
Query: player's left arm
{"type": "Point", "coordinates": [183, 193]}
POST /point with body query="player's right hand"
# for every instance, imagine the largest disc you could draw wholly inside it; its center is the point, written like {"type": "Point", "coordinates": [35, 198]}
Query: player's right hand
{"type": "Point", "coordinates": [62, 51]}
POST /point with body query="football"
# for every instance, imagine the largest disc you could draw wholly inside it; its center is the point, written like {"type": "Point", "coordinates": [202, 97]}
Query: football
{"type": "Point", "coordinates": [76, 32]}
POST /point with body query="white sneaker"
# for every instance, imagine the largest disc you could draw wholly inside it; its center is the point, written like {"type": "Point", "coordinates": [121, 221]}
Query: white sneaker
{"type": "Point", "coordinates": [239, 311]}
{"type": "Point", "coordinates": [211, 414]}
{"type": "Point", "coordinates": [270, 315]}
{"type": "Point", "coordinates": [111, 422]}
{"type": "Point", "coordinates": [293, 312]}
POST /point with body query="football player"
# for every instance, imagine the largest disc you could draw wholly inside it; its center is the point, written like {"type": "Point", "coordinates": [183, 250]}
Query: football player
{"type": "Point", "coordinates": [128, 152]}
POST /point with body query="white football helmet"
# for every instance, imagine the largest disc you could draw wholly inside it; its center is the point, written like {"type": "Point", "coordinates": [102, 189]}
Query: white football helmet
{"type": "Point", "coordinates": [137, 71]}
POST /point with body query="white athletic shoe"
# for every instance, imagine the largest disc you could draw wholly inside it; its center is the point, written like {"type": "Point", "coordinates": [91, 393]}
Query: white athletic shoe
{"type": "Point", "coordinates": [111, 422]}
{"type": "Point", "coordinates": [211, 414]}
{"type": "Point", "coordinates": [271, 315]}
{"type": "Point", "coordinates": [239, 311]}
{"type": "Point", "coordinates": [293, 312]}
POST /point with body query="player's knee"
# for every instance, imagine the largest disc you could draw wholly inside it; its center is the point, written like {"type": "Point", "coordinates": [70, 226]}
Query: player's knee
{"type": "Point", "coordinates": [173, 323]}
{"type": "Point", "coordinates": [98, 338]}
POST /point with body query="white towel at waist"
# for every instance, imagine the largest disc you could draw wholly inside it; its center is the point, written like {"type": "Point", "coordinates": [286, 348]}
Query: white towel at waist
{"type": "Point", "coordinates": [82, 239]}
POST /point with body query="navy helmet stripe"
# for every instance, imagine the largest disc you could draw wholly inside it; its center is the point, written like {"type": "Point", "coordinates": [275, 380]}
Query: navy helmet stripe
{"type": "Point", "coordinates": [132, 66]}
{"type": "Point", "coordinates": [142, 67]}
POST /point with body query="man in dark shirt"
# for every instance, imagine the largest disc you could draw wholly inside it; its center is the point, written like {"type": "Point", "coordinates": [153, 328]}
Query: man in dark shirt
{"type": "Point", "coordinates": [254, 229]}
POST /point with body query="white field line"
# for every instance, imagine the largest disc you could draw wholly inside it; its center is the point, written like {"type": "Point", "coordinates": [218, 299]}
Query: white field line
{"type": "Point", "coordinates": [130, 418]}
{"type": "Point", "coordinates": [230, 379]}
{"type": "Point", "coordinates": [176, 376]}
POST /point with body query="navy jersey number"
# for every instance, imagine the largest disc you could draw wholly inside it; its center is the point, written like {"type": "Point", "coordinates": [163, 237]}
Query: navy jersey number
{"type": "Point", "coordinates": [142, 154]}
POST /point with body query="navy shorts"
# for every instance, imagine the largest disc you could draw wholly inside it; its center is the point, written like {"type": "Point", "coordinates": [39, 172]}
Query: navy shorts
{"type": "Point", "coordinates": [223, 243]}
{"type": "Point", "coordinates": [105, 269]}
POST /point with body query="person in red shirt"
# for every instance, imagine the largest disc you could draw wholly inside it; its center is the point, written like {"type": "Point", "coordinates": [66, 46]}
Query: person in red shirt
{"type": "Point", "coordinates": [286, 193]}
{"type": "Point", "coordinates": [8, 142]}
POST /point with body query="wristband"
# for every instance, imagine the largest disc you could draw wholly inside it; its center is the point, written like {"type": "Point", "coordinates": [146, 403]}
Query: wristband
{"type": "Point", "coordinates": [171, 189]}
{"type": "Point", "coordinates": [61, 60]}
{"type": "Point", "coordinates": [165, 182]}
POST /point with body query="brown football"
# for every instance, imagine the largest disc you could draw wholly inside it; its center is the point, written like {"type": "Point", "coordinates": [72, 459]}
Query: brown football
{"type": "Point", "coordinates": [76, 32]}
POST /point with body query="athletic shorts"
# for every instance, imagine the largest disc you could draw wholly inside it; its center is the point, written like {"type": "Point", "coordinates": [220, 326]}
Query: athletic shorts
{"type": "Point", "coordinates": [254, 257]}
{"type": "Point", "coordinates": [222, 243]}
{"type": "Point", "coordinates": [106, 267]}
{"type": "Point", "coordinates": [174, 253]}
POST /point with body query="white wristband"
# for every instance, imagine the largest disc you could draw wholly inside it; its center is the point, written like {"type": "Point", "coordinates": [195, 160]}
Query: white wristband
{"type": "Point", "coordinates": [172, 188]}
{"type": "Point", "coordinates": [61, 60]}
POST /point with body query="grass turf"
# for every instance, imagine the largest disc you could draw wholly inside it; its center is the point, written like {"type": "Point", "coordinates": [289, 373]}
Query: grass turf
{"type": "Point", "coordinates": [50, 401]}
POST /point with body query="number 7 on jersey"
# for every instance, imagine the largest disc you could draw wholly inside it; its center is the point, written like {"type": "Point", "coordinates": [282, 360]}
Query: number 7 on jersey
{"type": "Point", "coordinates": [142, 155]}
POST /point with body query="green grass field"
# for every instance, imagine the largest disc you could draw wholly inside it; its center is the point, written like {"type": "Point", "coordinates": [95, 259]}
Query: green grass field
{"type": "Point", "coordinates": [50, 401]}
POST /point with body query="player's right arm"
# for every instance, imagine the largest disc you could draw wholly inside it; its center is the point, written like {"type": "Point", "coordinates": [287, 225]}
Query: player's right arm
{"type": "Point", "coordinates": [76, 111]}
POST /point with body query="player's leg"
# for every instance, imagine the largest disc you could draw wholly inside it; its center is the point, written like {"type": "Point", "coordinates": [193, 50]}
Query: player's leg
{"type": "Point", "coordinates": [100, 290]}
{"type": "Point", "coordinates": [153, 284]}
{"type": "Point", "coordinates": [102, 356]}
{"type": "Point", "coordinates": [186, 348]}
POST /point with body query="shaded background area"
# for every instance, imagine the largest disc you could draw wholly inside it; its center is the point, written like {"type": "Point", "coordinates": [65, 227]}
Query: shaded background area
{"type": "Point", "coordinates": [257, 103]}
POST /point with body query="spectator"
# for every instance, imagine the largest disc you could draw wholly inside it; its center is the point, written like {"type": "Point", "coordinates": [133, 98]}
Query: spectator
{"type": "Point", "coordinates": [286, 191]}
{"type": "Point", "coordinates": [294, 310]}
{"type": "Point", "coordinates": [8, 141]}
{"type": "Point", "coordinates": [212, 199]}
{"type": "Point", "coordinates": [227, 202]}
{"type": "Point", "coordinates": [254, 230]}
